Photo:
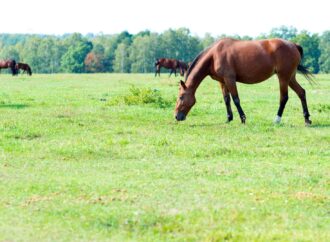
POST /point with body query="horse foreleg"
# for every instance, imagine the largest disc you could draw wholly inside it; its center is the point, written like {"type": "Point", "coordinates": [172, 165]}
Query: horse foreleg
{"type": "Point", "coordinates": [157, 71]}
{"type": "Point", "coordinates": [226, 97]}
{"type": "Point", "coordinates": [284, 97]}
{"type": "Point", "coordinates": [231, 85]}
{"type": "Point", "coordinates": [294, 85]}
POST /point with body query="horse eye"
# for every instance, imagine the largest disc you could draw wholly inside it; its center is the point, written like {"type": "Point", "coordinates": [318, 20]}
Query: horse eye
{"type": "Point", "coordinates": [181, 98]}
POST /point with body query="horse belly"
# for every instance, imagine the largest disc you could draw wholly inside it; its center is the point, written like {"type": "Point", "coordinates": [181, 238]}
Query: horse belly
{"type": "Point", "coordinates": [254, 69]}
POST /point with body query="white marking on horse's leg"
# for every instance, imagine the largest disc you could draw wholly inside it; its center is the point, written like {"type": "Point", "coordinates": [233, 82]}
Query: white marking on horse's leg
{"type": "Point", "coordinates": [277, 119]}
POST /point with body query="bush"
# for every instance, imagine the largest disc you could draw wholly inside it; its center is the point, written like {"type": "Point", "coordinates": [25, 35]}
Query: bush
{"type": "Point", "coordinates": [138, 96]}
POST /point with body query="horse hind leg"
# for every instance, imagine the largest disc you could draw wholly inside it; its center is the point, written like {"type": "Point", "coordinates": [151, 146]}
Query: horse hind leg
{"type": "Point", "coordinates": [294, 85]}
{"type": "Point", "coordinates": [171, 72]}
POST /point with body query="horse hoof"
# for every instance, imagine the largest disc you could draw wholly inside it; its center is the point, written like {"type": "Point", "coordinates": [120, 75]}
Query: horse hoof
{"type": "Point", "coordinates": [308, 123]}
{"type": "Point", "coordinates": [243, 119]}
{"type": "Point", "coordinates": [277, 120]}
{"type": "Point", "coordinates": [229, 119]}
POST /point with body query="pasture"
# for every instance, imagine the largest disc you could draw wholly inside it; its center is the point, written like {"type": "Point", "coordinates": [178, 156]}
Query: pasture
{"type": "Point", "coordinates": [100, 157]}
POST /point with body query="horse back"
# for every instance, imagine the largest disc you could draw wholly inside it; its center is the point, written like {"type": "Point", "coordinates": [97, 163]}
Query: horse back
{"type": "Point", "coordinates": [253, 61]}
{"type": "Point", "coordinates": [168, 63]}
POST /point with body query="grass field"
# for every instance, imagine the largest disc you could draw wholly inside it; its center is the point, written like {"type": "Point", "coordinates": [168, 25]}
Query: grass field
{"type": "Point", "coordinates": [101, 157]}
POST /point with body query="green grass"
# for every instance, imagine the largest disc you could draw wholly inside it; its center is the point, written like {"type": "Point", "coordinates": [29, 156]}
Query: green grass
{"type": "Point", "coordinates": [84, 157]}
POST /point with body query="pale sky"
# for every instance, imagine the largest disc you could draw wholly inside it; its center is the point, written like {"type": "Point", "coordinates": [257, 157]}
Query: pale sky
{"type": "Point", "coordinates": [242, 17]}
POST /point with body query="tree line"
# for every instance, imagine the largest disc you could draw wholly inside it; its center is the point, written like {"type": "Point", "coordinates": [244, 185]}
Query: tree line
{"type": "Point", "coordinates": [136, 53]}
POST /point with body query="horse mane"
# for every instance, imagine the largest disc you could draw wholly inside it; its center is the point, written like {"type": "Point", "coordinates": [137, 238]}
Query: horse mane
{"type": "Point", "coordinates": [197, 58]}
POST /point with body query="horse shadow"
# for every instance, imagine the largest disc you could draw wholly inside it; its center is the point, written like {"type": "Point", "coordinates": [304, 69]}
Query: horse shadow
{"type": "Point", "coordinates": [320, 125]}
{"type": "Point", "coordinates": [14, 106]}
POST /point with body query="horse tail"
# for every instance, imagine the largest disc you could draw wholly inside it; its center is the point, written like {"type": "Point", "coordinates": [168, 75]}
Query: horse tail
{"type": "Point", "coordinates": [303, 69]}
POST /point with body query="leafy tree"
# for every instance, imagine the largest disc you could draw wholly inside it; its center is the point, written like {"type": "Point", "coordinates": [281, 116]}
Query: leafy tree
{"type": "Point", "coordinates": [125, 38]}
{"type": "Point", "coordinates": [125, 52]}
{"type": "Point", "coordinates": [10, 52]}
{"type": "Point", "coordinates": [108, 42]}
{"type": "Point", "coordinates": [121, 61]}
{"type": "Point", "coordinates": [310, 45]}
{"type": "Point", "coordinates": [283, 32]}
{"type": "Point", "coordinates": [143, 53]}
{"type": "Point", "coordinates": [325, 52]}
{"type": "Point", "coordinates": [207, 40]}
{"type": "Point", "coordinates": [94, 61]}
{"type": "Point", "coordinates": [29, 53]}
{"type": "Point", "coordinates": [179, 44]}
{"type": "Point", "coordinates": [73, 59]}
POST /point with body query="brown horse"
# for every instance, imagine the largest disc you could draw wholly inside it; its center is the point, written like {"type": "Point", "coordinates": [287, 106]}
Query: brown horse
{"type": "Point", "coordinates": [229, 61]}
{"type": "Point", "coordinates": [25, 67]}
{"type": "Point", "coordinates": [171, 64]}
{"type": "Point", "coordinates": [5, 64]}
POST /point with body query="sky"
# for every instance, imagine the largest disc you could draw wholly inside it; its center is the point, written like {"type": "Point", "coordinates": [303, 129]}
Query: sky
{"type": "Point", "coordinates": [249, 17]}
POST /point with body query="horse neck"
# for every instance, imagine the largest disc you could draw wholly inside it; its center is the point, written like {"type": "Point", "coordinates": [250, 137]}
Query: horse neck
{"type": "Point", "coordinates": [197, 75]}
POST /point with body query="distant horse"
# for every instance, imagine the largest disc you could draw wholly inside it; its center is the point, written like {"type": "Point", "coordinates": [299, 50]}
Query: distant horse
{"type": "Point", "coordinates": [229, 61]}
{"type": "Point", "coordinates": [5, 64]}
{"type": "Point", "coordinates": [171, 64]}
{"type": "Point", "coordinates": [25, 67]}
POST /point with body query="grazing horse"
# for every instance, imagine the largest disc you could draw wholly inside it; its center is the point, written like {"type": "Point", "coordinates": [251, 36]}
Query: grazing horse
{"type": "Point", "coordinates": [172, 64]}
{"type": "Point", "coordinates": [229, 61]}
{"type": "Point", "coordinates": [5, 64]}
{"type": "Point", "coordinates": [25, 67]}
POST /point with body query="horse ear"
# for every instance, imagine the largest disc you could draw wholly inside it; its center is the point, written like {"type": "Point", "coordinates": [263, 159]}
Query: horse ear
{"type": "Point", "coordinates": [183, 85]}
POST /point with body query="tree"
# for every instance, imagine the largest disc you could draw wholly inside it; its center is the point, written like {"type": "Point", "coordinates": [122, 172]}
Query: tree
{"type": "Point", "coordinates": [207, 40]}
{"type": "Point", "coordinates": [110, 44]}
{"type": "Point", "coordinates": [179, 44]}
{"type": "Point", "coordinates": [10, 52]}
{"type": "Point", "coordinates": [325, 52]}
{"type": "Point", "coordinates": [143, 53]}
{"type": "Point", "coordinates": [121, 61]}
{"type": "Point", "coordinates": [310, 44]}
{"type": "Point", "coordinates": [29, 53]}
{"type": "Point", "coordinates": [283, 32]}
{"type": "Point", "coordinates": [73, 59]}
{"type": "Point", "coordinates": [95, 60]}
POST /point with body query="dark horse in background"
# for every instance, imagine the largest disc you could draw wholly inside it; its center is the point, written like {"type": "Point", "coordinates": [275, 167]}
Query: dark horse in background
{"type": "Point", "coordinates": [25, 67]}
{"type": "Point", "coordinates": [171, 64]}
{"type": "Point", "coordinates": [5, 64]}
{"type": "Point", "coordinates": [229, 61]}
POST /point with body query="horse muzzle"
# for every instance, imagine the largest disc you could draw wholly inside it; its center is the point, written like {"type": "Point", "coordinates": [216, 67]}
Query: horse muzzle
{"type": "Point", "coordinates": [180, 116]}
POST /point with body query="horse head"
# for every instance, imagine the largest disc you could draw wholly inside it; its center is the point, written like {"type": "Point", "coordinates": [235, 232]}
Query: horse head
{"type": "Point", "coordinates": [13, 67]}
{"type": "Point", "coordinates": [29, 71]}
{"type": "Point", "coordinates": [186, 99]}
